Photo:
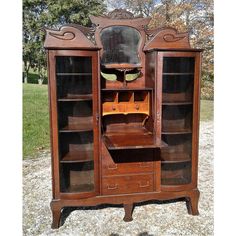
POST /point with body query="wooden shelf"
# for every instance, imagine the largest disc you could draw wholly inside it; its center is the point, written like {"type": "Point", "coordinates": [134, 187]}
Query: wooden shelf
{"type": "Point", "coordinates": [180, 160]}
{"type": "Point", "coordinates": [66, 74]}
{"type": "Point", "coordinates": [125, 89]}
{"type": "Point", "coordinates": [78, 156]}
{"type": "Point", "coordinates": [122, 66]}
{"type": "Point", "coordinates": [175, 181]}
{"type": "Point", "coordinates": [177, 103]}
{"type": "Point", "coordinates": [131, 139]}
{"type": "Point", "coordinates": [180, 131]}
{"type": "Point", "coordinates": [178, 73]}
{"type": "Point", "coordinates": [82, 97]}
{"type": "Point", "coordinates": [178, 157]}
{"type": "Point", "coordinates": [80, 188]}
{"type": "Point", "coordinates": [77, 128]}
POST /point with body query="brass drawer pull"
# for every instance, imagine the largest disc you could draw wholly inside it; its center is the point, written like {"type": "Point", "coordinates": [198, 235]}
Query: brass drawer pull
{"type": "Point", "coordinates": [144, 185]}
{"type": "Point", "coordinates": [112, 167]}
{"type": "Point", "coordinates": [113, 107]}
{"type": "Point", "coordinates": [137, 106]}
{"type": "Point", "coordinates": [144, 164]}
{"type": "Point", "coordinates": [112, 187]}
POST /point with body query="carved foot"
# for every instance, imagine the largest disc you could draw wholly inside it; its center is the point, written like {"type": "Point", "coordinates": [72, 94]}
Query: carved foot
{"type": "Point", "coordinates": [56, 216]}
{"type": "Point", "coordinates": [128, 212]}
{"type": "Point", "coordinates": [192, 203]}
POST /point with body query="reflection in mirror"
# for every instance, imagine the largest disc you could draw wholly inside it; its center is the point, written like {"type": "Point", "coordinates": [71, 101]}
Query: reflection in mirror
{"type": "Point", "coordinates": [120, 45]}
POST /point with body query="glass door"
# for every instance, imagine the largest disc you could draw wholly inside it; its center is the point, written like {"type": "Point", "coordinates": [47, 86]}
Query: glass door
{"type": "Point", "coordinates": [76, 121]}
{"type": "Point", "coordinates": [177, 78]}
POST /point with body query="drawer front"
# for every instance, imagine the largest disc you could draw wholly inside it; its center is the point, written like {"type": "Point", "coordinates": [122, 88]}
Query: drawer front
{"type": "Point", "coordinates": [127, 184]}
{"type": "Point", "coordinates": [111, 108]}
{"type": "Point", "coordinates": [138, 107]}
{"type": "Point", "coordinates": [111, 168]}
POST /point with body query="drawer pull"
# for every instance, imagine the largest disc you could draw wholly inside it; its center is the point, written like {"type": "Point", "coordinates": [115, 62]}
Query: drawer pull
{"type": "Point", "coordinates": [137, 107]}
{"type": "Point", "coordinates": [112, 187]}
{"type": "Point", "coordinates": [112, 167]}
{"type": "Point", "coordinates": [144, 185]}
{"type": "Point", "coordinates": [144, 164]}
{"type": "Point", "coordinates": [113, 107]}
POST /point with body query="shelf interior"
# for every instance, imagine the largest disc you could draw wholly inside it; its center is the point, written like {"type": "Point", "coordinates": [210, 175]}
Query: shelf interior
{"type": "Point", "coordinates": [78, 153]}
{"type": "Point", "coordinates": [76, 97]}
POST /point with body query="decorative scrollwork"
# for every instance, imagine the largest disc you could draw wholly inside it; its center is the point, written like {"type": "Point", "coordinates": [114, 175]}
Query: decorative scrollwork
{"type": "Point", "coordinates": [63, 35]}
{"type": "Point", "coordinates": [172, 38]}
{"type": "Point", "coordinates": [75, 35]}
{"type": "Point", "coordinates": [166, 37]}
{"type": "Point", "coordinates": [120, 14]}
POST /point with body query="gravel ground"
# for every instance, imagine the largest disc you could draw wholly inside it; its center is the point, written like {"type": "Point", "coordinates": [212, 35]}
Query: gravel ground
{"type": "Point", "coordinates": [155, 218]}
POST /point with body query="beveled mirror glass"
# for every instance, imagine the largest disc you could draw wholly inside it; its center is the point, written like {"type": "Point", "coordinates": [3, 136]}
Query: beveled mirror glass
{"type": "Point", "coordinates": [120, 45]}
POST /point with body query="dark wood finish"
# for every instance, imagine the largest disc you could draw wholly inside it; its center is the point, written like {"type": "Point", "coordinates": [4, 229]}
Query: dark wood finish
{"type": "Point", "coordinates": [122, 142]}
{"type": "Point", "coordinates": [127, 184]}
{"type": "Point", "coordinates": [68, 37]}
{"type": "Point", "coordinates": [128, 212]}
{"type": "Point", "coordinates": [192, 203]}
{"type": "Point", "coordinates": [167, 38]}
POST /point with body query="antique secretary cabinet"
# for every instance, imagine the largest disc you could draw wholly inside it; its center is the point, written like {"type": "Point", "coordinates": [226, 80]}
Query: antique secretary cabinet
{"type": "Point", "coordinates": [124, 113]}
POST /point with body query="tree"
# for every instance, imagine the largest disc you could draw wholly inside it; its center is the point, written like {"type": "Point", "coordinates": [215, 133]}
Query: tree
{"type": "Point", "coordinates": [38, 14]}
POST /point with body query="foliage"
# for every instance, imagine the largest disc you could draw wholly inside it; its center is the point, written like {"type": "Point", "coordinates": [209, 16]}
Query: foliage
{"type": "Point", "coordinates": [38, 14]}
{"type": "Point", "coordinates": [194, 16]}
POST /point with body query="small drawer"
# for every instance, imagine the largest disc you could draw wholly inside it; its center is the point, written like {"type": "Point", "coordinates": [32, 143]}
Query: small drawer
{"type": "Point", "coordinates": [111, 108]}
{"type": "Point", "coordinates": [110, 168]}
{"type": "Point", "coordinates": [127, 184]}
{"type": "Point", "coordinates": [138, 107]}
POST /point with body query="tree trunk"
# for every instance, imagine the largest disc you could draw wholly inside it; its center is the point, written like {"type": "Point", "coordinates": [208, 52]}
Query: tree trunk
{"type": "Point", "coordinates": [26, 73]}
{"type": "Point", "coordinates": [40, 79]}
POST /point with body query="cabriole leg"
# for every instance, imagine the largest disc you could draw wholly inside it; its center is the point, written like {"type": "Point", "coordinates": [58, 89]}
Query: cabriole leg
{"type": "Point", "coordinates": [56, 216]}
{"type": "Point", "coordinates": [128, 212]}
{"type": "Point", "coordinates": [192, 203]}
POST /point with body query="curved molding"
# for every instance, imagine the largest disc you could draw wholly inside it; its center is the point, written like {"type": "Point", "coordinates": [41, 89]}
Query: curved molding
{"type": "Point", "coordinates": [172, 38]}
{"type": "Point", "coordinates": [103, 21]}
{"type": "Point", "coordinates": [69, 36]}
{"type": "Point", "coordinates": [63, 35]}
{"type": "Point", "coordinates": [166, 38]}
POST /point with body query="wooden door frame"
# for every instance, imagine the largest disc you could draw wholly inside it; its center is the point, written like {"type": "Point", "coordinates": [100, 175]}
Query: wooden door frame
{"type": "Point", "coordinates": [196, 112]}
{"type": "Point", "coordinates": [57, 194]}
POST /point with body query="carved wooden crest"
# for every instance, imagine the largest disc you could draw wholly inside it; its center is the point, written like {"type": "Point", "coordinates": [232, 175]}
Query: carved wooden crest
{"type": "Point", "coordinates": [166, 38]}
{"type": "Point", "coordinates": [69, 36]}
{"type": "Point", "coordinates": [120, 14]}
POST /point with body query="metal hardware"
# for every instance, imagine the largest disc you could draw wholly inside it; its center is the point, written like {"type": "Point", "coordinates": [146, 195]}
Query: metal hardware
{"type": "Point", "coordinates": [112, 187]}
{"type": "Point", "coordinates": [112, 167]}
{"type": "Point", "coordinates": [145, 185]}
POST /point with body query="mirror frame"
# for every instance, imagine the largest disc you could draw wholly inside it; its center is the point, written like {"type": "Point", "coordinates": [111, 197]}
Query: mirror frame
{"type": "Point", "coordinates": [122, 19]}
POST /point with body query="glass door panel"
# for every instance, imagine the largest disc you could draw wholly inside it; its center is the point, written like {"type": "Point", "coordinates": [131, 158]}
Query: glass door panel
{"type": "Point", "coordinates": [177, 112]}
{"type": "Point", "coordinates": [177, 118]}
{"type": "Point", "coordinates": [74, 77]}
{"type": "Point", "coordinates": [177, 88]}
{"type": "Point", "coordinates": [75, 123]}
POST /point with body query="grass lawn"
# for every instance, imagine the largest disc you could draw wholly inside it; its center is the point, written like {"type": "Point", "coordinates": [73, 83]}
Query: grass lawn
{"type": "Point", "coordinates": [36, 118]}
{"type": "Point", "coordinates": [207, 110]}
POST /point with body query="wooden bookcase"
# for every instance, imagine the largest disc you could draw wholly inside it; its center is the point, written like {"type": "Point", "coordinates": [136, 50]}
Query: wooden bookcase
{"type": "Point", "coordinates": [124, 114]}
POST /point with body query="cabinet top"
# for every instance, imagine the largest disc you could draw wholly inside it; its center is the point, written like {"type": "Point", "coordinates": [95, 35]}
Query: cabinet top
{"type": "Point", "coordinates": [121, 30]}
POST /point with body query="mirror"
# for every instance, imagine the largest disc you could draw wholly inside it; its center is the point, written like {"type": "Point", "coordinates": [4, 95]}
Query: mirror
{"type": "Point", "coordinates": [120, 45]}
